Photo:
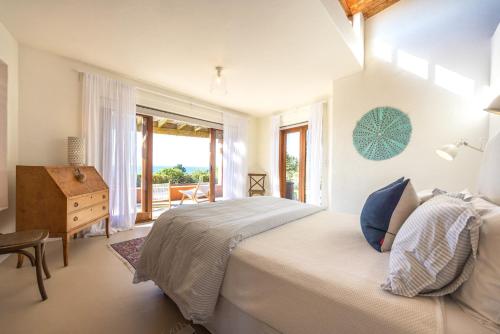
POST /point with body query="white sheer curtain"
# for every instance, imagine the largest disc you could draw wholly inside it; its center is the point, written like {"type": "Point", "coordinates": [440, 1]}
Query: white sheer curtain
{"type": "Point", "coordinates": [235, 169]}
{"type": "Point", "coordinates": [109, 128]}
{"type": "Point", "coordinates": [274, 165]}
{"type": "Point", "coordinates": [314, 160]}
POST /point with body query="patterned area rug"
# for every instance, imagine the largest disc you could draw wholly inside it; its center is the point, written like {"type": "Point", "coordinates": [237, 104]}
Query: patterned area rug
{"type": "Point", "coordinates": [129, 251]}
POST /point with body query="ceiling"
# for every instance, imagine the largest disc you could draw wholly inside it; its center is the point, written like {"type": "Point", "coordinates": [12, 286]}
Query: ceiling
{"type": "Point", "coordinates": [367, 7]}
{"type": "Point", "coordinates": [276, 53]}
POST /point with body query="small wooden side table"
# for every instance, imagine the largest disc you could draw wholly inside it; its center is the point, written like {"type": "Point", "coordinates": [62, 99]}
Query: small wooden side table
{"type": "Point", "coordinates": [257, 184]}
{"type": "Point", "coordinates": [17, 242]}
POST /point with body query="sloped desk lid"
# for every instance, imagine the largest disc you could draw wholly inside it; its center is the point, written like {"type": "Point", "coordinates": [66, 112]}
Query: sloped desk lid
{"type": "Point", "coordinates": [64, 178]}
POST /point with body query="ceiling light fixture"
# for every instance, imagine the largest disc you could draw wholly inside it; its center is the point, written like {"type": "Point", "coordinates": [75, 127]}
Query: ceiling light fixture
{"type": "Point", "coordinates": [218, 85]}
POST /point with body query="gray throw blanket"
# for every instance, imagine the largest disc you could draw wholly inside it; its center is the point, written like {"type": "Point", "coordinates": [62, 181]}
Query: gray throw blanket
{"type": "Point", "coordinates": [187, 250]}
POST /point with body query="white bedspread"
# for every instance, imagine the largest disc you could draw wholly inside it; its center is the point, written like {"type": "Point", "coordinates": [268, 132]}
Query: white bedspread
{"type": "Point", "coordinates": [187, 250]}
{"type": "Point", "coordinates": [319, 275]}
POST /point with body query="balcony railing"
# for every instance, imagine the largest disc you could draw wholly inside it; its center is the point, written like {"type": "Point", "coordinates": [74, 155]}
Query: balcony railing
{"type": "Point", "coordinates": [160, 191]}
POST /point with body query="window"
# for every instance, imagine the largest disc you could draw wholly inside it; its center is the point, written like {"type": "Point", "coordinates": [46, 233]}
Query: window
{"type": "Point", "coordinates": [293, 163]}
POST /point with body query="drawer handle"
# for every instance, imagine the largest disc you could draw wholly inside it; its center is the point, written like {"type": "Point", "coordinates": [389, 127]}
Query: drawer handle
{"type": "Point", "coordinates": [75, 218]}
{"type": "Point", "coordinates": [75, 205]}
{"type": "Point", "coordinates": [104, 208]}
{"type": "Point", "coordinates": [103, 196]}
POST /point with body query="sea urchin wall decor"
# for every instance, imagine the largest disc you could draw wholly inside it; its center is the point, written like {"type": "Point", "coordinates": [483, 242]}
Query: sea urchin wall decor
{"type": "Point", "coordinates": [382, 133]}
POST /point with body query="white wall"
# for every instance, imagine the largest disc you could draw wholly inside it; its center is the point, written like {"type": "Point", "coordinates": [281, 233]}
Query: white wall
{"type": "Point", "coordinates": [495, 79]}
{"type": "Point", "coordinates": [9, 55]}
{"type": "Point", "coordinates": [289, 117]}
{"type": "Point", "coordinates": [450, 36]}
{"type": "Point", "coordinates": [50, 105]}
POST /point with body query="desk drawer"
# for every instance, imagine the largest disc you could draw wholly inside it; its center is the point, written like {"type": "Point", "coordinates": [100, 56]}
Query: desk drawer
{"type": "Point", "coordinates": [84, 216]}
{"type": "Point", "coordinates": [78, 203]}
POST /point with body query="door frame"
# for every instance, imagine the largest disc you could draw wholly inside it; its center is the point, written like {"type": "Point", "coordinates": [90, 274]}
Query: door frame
{"type": "Point", "coordinates": [302, 129]}
{"type": "Point", "coordinates": [146, 213]}
{"type": "Point", "coordinates": [147, 170]}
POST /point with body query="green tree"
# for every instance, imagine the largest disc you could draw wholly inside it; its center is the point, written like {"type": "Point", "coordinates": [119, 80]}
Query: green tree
{"type": "Point", "coordinates": [291, 167]}
{"type": "Point", "coordinates": [179, 166]}
{"type": "Point", "coordinates": [178, 175]}
{"type": "Point", "coordinates": [200, 174]}
{"type": "Point", "coordinates": [171, 175]}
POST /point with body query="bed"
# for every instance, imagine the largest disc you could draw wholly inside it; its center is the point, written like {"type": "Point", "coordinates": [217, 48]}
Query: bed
{"type": "Point", "coordinates": [310, 273]}
{"type": "Point", "coordinates": [319, 275]}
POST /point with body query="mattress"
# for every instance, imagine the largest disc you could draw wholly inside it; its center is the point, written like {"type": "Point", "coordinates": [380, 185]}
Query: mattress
{"type": "Point", "coordinates": [319, 275]}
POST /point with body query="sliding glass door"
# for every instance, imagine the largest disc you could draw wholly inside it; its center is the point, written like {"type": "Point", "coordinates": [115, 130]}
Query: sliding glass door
{"type": "Point", "coordinates": [176, 158]}
{"type": "Point", "coordinates": [293, 163]}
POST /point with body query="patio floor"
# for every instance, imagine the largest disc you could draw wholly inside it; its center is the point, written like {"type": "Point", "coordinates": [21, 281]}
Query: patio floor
{"type": "Point", "coordinates": [161, 206]}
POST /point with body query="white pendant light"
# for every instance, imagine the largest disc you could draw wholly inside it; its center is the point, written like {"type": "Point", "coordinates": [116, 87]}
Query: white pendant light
{"type": "Point", "coordinates": [218, 85]}
{"type": "Point", "coordinates": [494, 106]}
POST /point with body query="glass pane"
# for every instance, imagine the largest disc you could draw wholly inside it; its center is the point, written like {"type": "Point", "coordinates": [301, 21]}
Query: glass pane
{"type": "Point", "coordinates": [140, 144]}
{"type": "Point", "coordinates": [181, 158]}
{"type": "Point", "coordinates": [292, 165]}
{"type": "Point", "coordinates": [218, 164]}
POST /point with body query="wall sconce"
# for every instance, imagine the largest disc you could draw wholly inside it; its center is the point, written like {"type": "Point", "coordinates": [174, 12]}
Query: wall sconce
{"type": "Point", "coordinates": [494, 106]}
{"type": "Point", "coordinates": [449, 152]}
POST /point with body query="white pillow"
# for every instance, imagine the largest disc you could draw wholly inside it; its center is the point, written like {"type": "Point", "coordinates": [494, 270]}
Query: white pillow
{"type": "Point", "coordinates": [435, 249]}
{"type": "Point", "coordinates": [481, 293]}
{"type": "Point", "coordinates": [427, 194]}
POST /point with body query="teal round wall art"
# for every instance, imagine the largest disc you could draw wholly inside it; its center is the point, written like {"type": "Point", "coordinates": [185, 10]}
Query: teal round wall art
{"type": "Point", "coordinates": [382, 133]}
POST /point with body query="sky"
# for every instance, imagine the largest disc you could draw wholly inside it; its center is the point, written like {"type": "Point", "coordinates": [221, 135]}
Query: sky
{"type": "Point", "coordinates": [173, 150]}
{"type": "Point", "coordinates": [293, 144]}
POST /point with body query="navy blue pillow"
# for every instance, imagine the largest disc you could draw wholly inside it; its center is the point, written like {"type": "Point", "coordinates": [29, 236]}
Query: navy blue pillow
{"type": "Point", "coordinates": [385, 211]}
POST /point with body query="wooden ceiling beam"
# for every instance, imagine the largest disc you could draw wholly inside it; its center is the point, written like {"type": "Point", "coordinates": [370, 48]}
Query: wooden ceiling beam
{"type": "Point", "coordinates": [162, 122]}
{"type": "Point", "coordinates": [184, 132]}
{"type": "Point", "coordinates": [369, 8]}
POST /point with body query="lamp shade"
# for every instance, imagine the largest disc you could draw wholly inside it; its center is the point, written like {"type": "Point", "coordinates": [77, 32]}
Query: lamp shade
{"type": "Point", "coordinates": [76, 151]}
{"type": "Point", "coordinates": [218, 85]}
{"type": "Point", "coordinates": [448, 152]}
{"type": "Point", "coordinates": [494, 106]}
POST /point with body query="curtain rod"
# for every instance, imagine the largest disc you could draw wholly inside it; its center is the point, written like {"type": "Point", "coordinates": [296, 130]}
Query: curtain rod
{"type": "Point", "coordinates": [176, 114]}
{"type": "Point", "coordinates": [280, 113]}
{"type": "Point", "coordinates": [183, 100]}
{"type": "Point", "coordinates": [288, 126]}
{"type": "Point", "coordinates": [172, 96]}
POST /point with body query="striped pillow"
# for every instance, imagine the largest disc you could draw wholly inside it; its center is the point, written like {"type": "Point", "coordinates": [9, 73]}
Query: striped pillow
{"type": "Point", "coordinates": [435, 249]}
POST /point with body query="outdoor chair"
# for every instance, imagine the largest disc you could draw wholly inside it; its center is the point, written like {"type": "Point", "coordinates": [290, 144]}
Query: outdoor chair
{"type": "Point", "coordinates": [201, 191]}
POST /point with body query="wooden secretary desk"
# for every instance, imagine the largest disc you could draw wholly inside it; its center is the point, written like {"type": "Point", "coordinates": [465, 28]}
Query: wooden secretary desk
{"type": "Point", "coordinates": [53, 199]}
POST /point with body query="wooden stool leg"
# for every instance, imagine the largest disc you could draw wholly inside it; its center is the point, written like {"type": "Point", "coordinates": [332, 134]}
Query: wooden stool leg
{"type": "Point", "coordinates": [107, 227]}
{"type": "Point", "coordinates": [44, 263]}
{"type": "Point", "coordinates": [39, 278]}
{"type": "Point", "coordinates": [20, 260]}
{"type": "Point", "coordinates": [65, 240]}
